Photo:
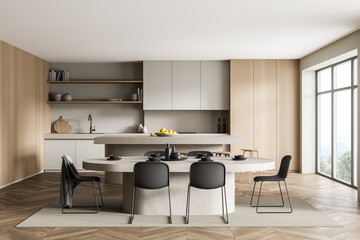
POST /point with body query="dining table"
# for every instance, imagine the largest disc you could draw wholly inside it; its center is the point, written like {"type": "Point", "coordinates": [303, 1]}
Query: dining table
{"type": "Point", "coordinates": [154, 202]}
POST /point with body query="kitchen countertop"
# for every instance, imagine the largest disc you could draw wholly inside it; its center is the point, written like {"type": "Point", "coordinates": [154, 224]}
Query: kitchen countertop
{"type": "Point", "coordinates": [203, 139]}
{"type": "Point", "coordinates": [84, 136]}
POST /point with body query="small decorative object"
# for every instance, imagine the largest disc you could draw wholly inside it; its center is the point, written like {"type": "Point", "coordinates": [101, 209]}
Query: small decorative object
{"type": "Point", "coordinates": [144, 129]}
{"type": "Point", "coordinates": [62, 126]}
{"type": "Point", "coordinates": [140, 128]}
{"type": "Point", "coordinates": [56, 97]}
{"type": "Point", "coordinates": [168, 151]}
{"type": "Point", "coordinates": [134, 97]}
{"type": "Point", "coordinates": [67, 97]}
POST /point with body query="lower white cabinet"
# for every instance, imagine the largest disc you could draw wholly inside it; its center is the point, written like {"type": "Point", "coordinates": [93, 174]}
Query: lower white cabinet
{"type": "Point", "coordinates": [86, 149]}
{"type": "Point", "coordinates": [78, 150]}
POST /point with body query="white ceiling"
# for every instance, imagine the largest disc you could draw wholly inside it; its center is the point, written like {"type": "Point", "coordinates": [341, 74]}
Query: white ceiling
{"type": "Point", "coordinates": [130, 30]}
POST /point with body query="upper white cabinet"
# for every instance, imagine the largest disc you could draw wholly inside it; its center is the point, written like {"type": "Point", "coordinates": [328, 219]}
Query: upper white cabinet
{"type": "Point", "coordinates": [186, 85]}
{"type": "Point", "coordinates": [157, 85]}
{"type": "Point", "coordinates": [215, 85]}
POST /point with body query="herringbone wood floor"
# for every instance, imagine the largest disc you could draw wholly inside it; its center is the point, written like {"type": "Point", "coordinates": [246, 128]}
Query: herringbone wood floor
{"type": "Point", "coordinates": [19, 201]}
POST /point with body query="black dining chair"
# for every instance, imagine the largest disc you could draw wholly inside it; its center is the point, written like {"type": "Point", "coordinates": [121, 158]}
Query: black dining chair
{"type": "Point", "coordinates": [207, 175]}
{"type": "Point", "coordinates": [280, 177]}
{"type": "Point", "coordinates": [148, 154]}
{"type": "Point", "coordinates": [195, 153]}
{"type": "Point", "coordinates": [150, 175]}
{"type": "Point", "coordinates": [70, 179]}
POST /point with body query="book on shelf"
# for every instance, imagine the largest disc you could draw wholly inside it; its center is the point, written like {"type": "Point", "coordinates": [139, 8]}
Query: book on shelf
{"type": "Point", "coordinates": [59, 75]}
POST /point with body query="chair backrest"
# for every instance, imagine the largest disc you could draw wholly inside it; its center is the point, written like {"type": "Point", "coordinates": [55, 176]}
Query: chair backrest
{"type": "Point", "coordinates": [151, 175]}
{"type": "Point", "coordinates": [69, 168]}
{"type": "Point", "coordinates": [284, 166]}
{"type": "Point", "coordinates": [195, 153]}
{"type": "Point", "coordinates": [207, 175]}
{"type": "Point", "coordinates": [162, 153]}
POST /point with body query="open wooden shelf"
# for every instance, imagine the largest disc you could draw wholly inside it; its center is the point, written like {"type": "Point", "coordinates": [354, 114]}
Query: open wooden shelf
{"type": "Point", "coordinates": [94, 101]}
{"type": "Point", "coordinates": [97, 81]}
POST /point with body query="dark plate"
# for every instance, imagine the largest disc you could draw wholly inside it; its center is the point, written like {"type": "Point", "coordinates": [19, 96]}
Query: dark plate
{"type": "Point", "coordinates": [181, 159]}
{"type": "Point", "coordinates": [206, 160]}
{"type": "Point", "coordinates": [153, 160]}
{"type": "Point", "coordinates": [113, 159]}
{"type": "Point", "coordinates": [241, 159]}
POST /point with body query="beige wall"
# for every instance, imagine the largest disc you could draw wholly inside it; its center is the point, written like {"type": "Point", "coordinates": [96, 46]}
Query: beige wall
{"type": "Point", "coordinates": [325, 56]}
{"type": "Point", "coordinates": [264, 107]}
{"type": "Point", "coordinates": [25, 115]}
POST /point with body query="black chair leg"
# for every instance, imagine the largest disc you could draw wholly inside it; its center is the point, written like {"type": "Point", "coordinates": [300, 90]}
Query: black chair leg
{"type": "Point", "coordinates": [222, 202]}
{"type": "Point", "coordinates": [101, 196]}
{"type": "Point", "coordinates": [227, 214]}
{"type": "Point", "coordinates": [282, 199]}
{"type": "Point", "coordinates": [257, 205]}
{"type": "Point", "coordinates": [188, 206]}
{"type": "Point", "coordinates": [170, 205]}
{"type": "Point", "coordinates": [133, 205]}
{"type": "Point", "coordinates": [252, 195]}
{"type": "Point", "coordinates": [96, 201]}
{"type": "Point", "coordinates": [87, 212]}
{"type": "Point", "coordinates": [291, 210]}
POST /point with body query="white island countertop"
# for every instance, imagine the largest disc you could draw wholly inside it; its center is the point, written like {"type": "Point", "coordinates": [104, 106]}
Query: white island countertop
{"type": "Point", "coordinates": [203, 139]}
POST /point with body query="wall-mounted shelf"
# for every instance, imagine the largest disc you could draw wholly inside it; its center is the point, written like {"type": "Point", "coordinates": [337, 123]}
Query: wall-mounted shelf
{"type": "Point", "coordinates": [98, 81]}
{"type": "Point", "coordinates": [94, 101]}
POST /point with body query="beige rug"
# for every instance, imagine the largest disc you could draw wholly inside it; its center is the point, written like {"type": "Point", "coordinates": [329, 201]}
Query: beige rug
{"type": "Point", "coordinates": [244, 216]}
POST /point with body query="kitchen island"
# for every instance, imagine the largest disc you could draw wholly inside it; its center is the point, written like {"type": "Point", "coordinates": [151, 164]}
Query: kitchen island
{"type": "Point", "coordinates": [137, 145]}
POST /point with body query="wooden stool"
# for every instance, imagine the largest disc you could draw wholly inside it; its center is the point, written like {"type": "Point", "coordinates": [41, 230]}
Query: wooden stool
{"type": "Point", "coordinates": [219, 154]}
{"type": "Point", "coordinates": [251, 152]}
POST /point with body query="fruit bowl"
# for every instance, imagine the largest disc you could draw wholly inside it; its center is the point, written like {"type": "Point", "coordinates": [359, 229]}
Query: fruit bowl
{"type": "Point", "coordinates": [166, 134]}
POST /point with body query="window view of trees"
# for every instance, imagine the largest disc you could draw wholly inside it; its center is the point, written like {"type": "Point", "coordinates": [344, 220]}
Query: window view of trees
{"type": "Point", "coordinates": [343, 170]}
{"type": "Point", "coordinates": [336, 118]}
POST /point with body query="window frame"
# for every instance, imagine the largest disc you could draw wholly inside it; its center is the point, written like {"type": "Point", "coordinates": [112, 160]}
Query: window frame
{"type": "Point", "coordinates": [352, 87]}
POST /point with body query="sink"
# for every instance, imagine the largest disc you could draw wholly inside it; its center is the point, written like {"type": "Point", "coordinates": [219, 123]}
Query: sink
{"type": "Point", "coordinates": [90, 133]}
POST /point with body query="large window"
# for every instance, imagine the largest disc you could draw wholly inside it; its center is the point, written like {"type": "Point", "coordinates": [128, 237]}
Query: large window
{"type": "Point", "coordinates": [336, 103]}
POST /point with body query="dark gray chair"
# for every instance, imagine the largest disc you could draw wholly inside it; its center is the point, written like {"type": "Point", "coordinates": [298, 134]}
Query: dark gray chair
{"type": "Point", "coordinates": [195, 153]}
{"type": "Point", "coordinates": [148, 154]}
{"type": "Point", "coordinates": [207, 175]}
{"type": "Point", "coordinates": [281, 176]}
{"type": "Point", "coordinates": [150, 175]}
{"type": "Point", "coordinates": [70, 179]}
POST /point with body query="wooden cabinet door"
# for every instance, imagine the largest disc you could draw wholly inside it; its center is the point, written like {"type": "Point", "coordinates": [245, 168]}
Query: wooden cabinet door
{"type": "Point", "coordinates": [157, 85]}
{"type": "Point", "coordinates": [186, 85]}
{"type": "Point", "coordinates": [214, 85]}
{"type": "Point", "coordinates": [55, 149]}
{"type": "Point", "coordinates": [86, 149]}
{"type": "Point", "coordinates": [288, 111]}
{"type": "Point", "coordinates": [265, 107]}
{"type": "Point", "coordinates": [242, 103]}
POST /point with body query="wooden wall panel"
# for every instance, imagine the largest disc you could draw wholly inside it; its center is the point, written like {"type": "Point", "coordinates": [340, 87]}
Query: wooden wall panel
{"type": "Point", "coordinates": [265, 107]}
{"type": "Point", "coordinates": [288, 111]}
{"type": "Point", "coordinates": [241, 103]}
{"type": "Point", "coordinates": [264, 98]}
{"type": "Point", "coordinates": [25, 115]}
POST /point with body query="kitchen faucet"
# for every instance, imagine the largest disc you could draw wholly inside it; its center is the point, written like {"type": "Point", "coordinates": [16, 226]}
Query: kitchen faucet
{"type": "Point", "coordinates": [92, 129]}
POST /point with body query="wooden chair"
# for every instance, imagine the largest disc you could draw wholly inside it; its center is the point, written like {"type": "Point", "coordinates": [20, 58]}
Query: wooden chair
{"type": "Point", "coordinates": [225, 154]}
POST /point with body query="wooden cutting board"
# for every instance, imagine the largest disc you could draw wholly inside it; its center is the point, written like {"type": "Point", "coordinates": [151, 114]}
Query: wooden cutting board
{"type": "Point", "coordinates": [62, 126]}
